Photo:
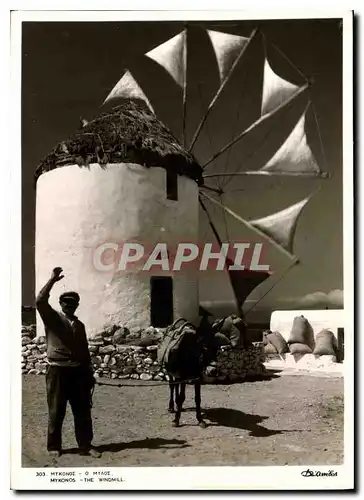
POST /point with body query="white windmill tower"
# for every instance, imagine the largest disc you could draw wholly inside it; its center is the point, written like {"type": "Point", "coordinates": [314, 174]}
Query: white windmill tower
{"type": "Point", "coordinates": [122, 178]}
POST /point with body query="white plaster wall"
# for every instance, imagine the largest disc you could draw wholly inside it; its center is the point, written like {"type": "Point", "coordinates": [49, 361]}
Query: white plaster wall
{"type": "Point", "coordinates": [80, 208]}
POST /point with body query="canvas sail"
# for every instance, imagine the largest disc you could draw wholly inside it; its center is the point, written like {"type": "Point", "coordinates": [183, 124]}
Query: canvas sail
{"type": "Point", "coordinates": [281, 226]}
{"type": "Point", "coordinates": [276, 90]}
{"type": "Point", "coordinates": [227, 48]}
{"type": "Point", "coordinates": [128, 88]}
{"type": "Point", "coordinates": [295, 155]}
{"type": "Point", "coordinates": [244, 281]}
{"type": "Point", "coordinates": [171, 56]}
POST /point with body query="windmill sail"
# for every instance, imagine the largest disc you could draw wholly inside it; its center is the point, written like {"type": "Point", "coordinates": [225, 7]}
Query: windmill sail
{"type": "Point", "coordinates": [263, 119]}
{"type": "Point", "coordinates": [276, 90]}
{"type": "Point", "coordinates": [227, 48]}
{"type": "Point", "coordinates": [171, 56]}
{"type": "Point", "coordinates": [128, 88]}
{"type": "Point", "coordinates": [295, 155]}
{"type": "Point", "coordinates": [281, 226]}
{"type": "Point", "coordinates": [244, 281]}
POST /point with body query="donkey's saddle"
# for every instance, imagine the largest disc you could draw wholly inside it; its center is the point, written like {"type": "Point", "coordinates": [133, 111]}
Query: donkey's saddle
{"type": "Point", "coordinates": [169, 350]}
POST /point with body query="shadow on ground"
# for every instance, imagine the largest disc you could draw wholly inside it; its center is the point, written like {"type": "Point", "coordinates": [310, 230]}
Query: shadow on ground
{"type": "Point", "coordinates": [149, 443]}
{"type": "Point", "coordinates": [227, 417]}
{"type": "Point", "coordinates": [269, 374]}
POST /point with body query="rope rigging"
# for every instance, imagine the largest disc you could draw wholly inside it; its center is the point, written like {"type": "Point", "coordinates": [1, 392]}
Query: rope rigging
{"type": "Point", "coordinates": [292, 264]}
{"type": "Point", "coordinates": [286, 58]}
{"type": "Point", "coordinates": [319, 135]}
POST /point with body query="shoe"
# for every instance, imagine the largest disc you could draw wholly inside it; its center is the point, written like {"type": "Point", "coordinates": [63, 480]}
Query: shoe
{"type": "Point", "coordinates": [94, 453]}
{"type": "Point", "coordinates": [90, 452]}
{"type": "Point", "coordinates": [54, 453]}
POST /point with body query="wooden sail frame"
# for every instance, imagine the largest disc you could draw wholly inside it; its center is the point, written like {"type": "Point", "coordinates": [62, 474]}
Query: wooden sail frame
{"type": "Point", "coordinates": [322, 175]}
{"type": "Point", "coordinates": [219, 91]}
{"type": "Point", "coordinates": [184, 97]}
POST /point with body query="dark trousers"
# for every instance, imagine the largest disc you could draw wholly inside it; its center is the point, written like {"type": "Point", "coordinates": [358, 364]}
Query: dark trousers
{"type": "Point", "coordinates": [71, 384]}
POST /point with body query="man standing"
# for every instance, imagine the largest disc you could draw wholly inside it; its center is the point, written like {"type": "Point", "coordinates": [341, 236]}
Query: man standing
{"type": "Point", "coordinates": [69, 376]}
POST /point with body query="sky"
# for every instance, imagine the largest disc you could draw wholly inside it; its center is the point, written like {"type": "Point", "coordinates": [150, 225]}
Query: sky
{"type": "Point", "coordinates": [69, 68]}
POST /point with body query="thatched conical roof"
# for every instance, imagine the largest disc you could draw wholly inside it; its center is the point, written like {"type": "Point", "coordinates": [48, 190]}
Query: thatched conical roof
{"type": "Point", "coordinates": [128, 133]}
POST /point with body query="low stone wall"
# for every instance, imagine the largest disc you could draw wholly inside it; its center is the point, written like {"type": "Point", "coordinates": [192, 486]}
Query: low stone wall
{"type": "Point", "coordinates": [234, 365]}
{"type": "Point", "coordinates": [111, 358]}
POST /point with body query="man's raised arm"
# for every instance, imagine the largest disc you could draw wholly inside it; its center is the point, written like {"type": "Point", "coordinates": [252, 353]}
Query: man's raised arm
{"type": "Point", "coordinates": [43, 296]}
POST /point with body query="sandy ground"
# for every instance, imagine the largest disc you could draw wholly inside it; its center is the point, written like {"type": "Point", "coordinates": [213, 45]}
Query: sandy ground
{"type": "Point", "coordinates": [291, 418]}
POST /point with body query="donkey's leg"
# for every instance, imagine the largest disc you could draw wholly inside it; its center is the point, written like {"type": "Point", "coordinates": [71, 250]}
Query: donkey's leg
{"type": "Point", "coordinates": [200, 420]}
{"type": "Point", "coordinates": [176, 392]}
{"type": "Point", "coordinates": [172, 387]}
{"type": "Point", "coordinates": [173, 395]}
{"type": "Point", "coordinates": [182, 394]}
{"type": "Point", "coordinates": [179, 400]}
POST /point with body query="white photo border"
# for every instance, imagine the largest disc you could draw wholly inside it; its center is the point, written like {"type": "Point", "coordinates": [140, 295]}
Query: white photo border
{"type": "Point", "coordinates": [185, 478]}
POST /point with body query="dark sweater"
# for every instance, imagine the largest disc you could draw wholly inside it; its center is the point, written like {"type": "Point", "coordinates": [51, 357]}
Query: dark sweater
{"type": "Point", "coordinates": [66, 339]}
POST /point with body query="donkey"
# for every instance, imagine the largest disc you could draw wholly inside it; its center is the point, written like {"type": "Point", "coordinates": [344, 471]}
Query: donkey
{"type": "Point", "coordinates": [196, 350]}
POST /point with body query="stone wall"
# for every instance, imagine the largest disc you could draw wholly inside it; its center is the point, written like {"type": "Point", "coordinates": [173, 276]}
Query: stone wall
{"type": "Point", "coordinates": [112, 358]}
{"type": "Point", "coordinates": [234, 365]}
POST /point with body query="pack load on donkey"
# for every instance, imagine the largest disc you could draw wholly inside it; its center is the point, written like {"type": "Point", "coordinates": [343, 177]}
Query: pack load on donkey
{"type": "Point", "coordinates": [169, 351]}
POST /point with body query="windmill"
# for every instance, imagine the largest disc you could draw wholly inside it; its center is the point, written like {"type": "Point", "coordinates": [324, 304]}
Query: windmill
{"type": "Point", "coordinates": [292, 156]}
{"type": "Point", "coordinates": [116, 194]}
